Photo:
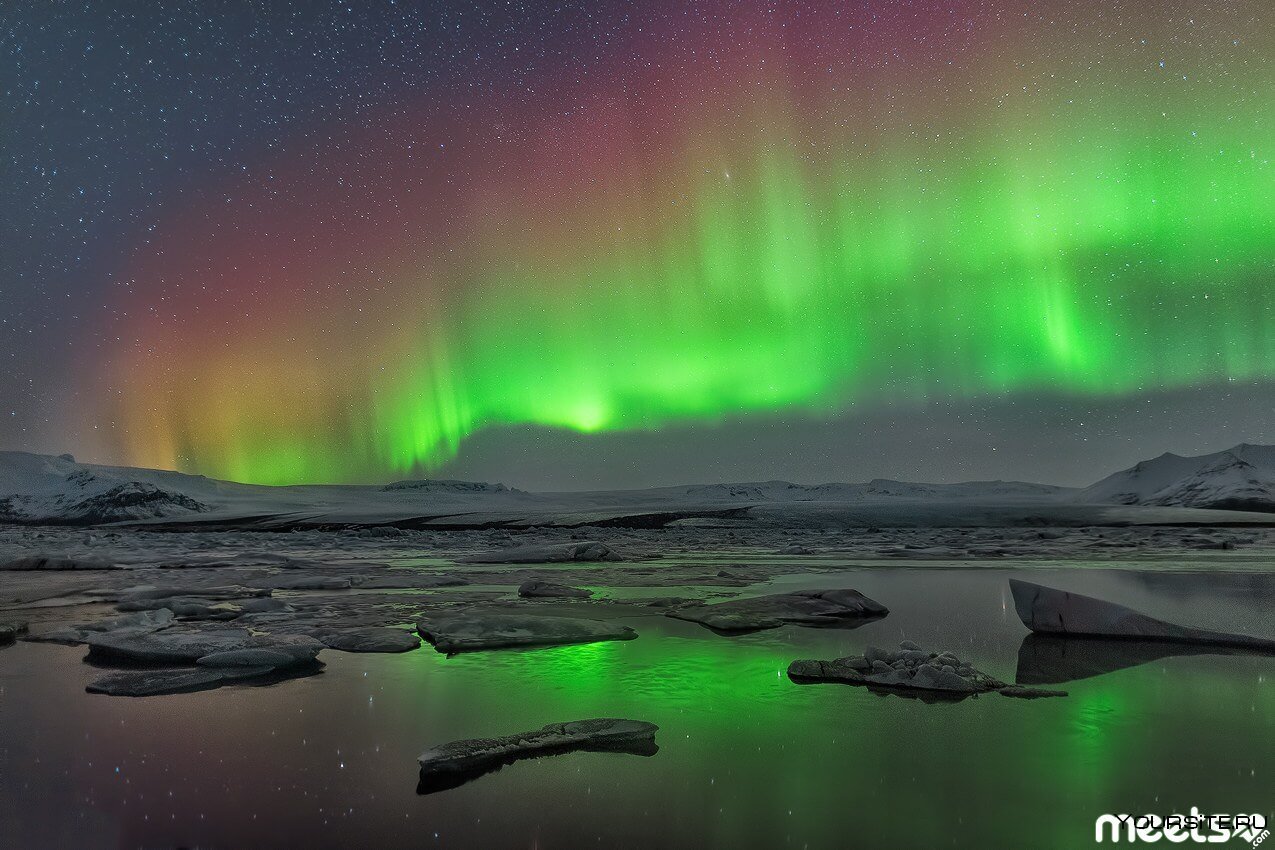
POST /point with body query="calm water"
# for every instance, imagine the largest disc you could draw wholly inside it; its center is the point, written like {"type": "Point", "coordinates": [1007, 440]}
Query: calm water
{"type": "Point", "coordinates": [747, 758]}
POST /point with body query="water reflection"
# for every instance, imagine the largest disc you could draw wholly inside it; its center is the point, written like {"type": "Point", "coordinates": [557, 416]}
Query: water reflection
{"type": "Point", "coordinates": [432, 783]}
{"type": "Point", "coordinates": [747, 758]}
{"type": "Point", "coordinates": [1051, 659]}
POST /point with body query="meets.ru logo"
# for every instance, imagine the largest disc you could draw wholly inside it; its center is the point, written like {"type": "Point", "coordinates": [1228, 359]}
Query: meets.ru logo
{"type": "Point", "coordinates": [1177, 828]}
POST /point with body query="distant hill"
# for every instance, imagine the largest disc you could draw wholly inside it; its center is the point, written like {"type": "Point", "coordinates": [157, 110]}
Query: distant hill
{"type": "Point", "coordinates": [870, 491]}
{"type": "Point", "coordinates": [1239, 479]}
{"type": "Point", "coordinates": [36, 488]}
{"type": "Point", "coordinates": [43, 489]}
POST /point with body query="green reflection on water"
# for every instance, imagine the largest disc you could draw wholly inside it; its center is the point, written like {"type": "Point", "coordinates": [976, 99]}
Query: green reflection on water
{"type": "Point", "coordinates": [750, 759]}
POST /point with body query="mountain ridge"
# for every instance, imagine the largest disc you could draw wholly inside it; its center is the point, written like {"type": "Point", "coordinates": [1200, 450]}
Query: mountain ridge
{"type": "Point", "coordinates": [37, 488]}
{"type": "Point", "coordinates": [1239, 478]}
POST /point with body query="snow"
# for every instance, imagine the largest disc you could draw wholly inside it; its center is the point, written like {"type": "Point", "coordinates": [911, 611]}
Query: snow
{"type": "Point", "coordinates": [1239, 478]}
{"type": "Point", "coordinates": [45, 489]}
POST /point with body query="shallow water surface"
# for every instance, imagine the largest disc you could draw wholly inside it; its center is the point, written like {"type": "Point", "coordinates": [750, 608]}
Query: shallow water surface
{"type": "Point", "coordinates": [747, 758]}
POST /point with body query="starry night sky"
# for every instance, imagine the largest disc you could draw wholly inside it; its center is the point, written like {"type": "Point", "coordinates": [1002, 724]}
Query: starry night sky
{"type": "Point", "coordinates": [349, 241]}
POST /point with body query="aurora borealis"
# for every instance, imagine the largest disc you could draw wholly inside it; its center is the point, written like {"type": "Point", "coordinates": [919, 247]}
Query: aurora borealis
{"type": "Point", "coordinates": [741, 209]}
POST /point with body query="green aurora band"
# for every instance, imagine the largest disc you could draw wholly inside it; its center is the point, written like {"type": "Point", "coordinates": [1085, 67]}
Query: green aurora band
{"type": "Point", "coordinates": [804, 251]}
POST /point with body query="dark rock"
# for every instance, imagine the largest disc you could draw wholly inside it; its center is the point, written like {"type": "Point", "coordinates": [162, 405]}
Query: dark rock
{"type": "Point", "coordinates": [931, 678]}
{"type": "Point", "coordinates": [219, 593]}
{"type": "Point", "coordinates": [908, 678]}
{"type": "Point", "coordinates": [130, 501]}
{"type": "Point", "coordinates": [474, 630]}
{"type": "Point", "coordinates": [539, 589]}
{"type": "Point", "coordinates": [1029, 693]}
{"type": "Point", "coordinates": [382, 531]}
{"type": "Point", "coordinates": [430, 485]}
{"type": "Point", "coordinates": [51, 563]}
{"type": "Point", "coordinates": [372, 639]}
{"type": "Point", "coordinates": [848, 670]}
{"type": "Point", "coordinates": [305, 582]}
{"type": "Point", "coordinates": [840, 607]}
{"type": "Point", "coordinates": [409, 580]}
{"type": "Point", "coordinates": [451, 765]}
{"type": "Point", "coordinates": [1050, 611]}
{"type": "Point", "coordinates": [545, 554]}
{"type": "Point", "coordinates": [9, 632]}
{"type": "Point", "coordinates": [875, 653]}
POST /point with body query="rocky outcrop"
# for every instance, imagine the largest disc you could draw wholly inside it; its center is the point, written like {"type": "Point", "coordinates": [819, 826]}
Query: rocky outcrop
{"type": "Point", "coordinates": [131, 500]}
{"type": "Point", "coordinates": [408, 580]}
{"type": "Point", "coordinates": [51, 562]}
{"type": "Point", "coordinates": [545, 589]}
{"type": "Point", "coordinates": [910, 669]}
{"type": "Point", "coordinates": [453, 764]}
{"type": "Point", "coordinates": [9, 632]}
{"type": "Point", "coordinates": [220, 592]}
{"type": "Point", "coordinates": [475, 630]}
{"type": "Point", "coordinates": [1047, 610]}
{"type": "Point", "coordinates": [304, 582]}
{"type": "Point", "coordinates": [431, 485]}
{"type": "Point", "coordinates": [554, 553]}
{"type": "Point", "coordinates": [839, 607]}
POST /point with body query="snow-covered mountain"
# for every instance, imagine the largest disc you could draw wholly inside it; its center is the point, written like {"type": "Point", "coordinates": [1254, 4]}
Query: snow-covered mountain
{"type": "Point", "coordinates": [45, 489]}
{"type": "Point", "coordinates": [36, 488]}
{"type": "Point", "coordinates": [41, 488]}
{"type": "Point", "coordinates": [1239, 479]}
